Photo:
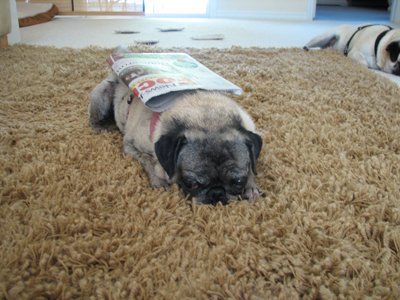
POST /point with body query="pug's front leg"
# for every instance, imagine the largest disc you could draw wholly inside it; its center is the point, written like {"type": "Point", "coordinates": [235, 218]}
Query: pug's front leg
{"type": "Point", "coordinates": [321, 41]}
{"type": "Point", "coordinates": [251, 191]}
{"type": "Point", "coordinates": [358, 58]}
{"type": "Point", "coordinates": [150, 165]}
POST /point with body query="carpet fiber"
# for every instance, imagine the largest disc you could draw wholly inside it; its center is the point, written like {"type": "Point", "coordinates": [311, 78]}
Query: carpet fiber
{"type": "Point", "coordinates": [80, 221]}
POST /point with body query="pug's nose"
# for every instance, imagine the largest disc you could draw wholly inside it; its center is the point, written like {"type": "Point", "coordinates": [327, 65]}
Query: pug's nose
{"type": "Point", "coordinates": [217, 195]}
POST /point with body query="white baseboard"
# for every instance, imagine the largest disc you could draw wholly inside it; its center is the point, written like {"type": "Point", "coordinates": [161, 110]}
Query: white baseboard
{"type": "Point", "coordinates": [264, 15]}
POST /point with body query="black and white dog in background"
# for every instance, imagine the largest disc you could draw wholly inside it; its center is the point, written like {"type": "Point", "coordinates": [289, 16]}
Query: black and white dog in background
{"type": "Point", "coordinates": [373, 46]}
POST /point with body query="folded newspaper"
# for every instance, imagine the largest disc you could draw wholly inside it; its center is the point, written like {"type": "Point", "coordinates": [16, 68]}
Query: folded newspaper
{"type": "Point", "coordinates": [158, 78]}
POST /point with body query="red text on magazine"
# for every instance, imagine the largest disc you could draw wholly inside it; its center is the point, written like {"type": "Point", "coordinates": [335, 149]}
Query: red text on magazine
{"type": "Point", "coordinates": [153, 84]}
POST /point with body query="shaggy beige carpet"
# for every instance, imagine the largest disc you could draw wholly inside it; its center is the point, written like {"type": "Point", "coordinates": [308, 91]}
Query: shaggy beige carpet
{"type": "Point", "coordinates": [80, 221]}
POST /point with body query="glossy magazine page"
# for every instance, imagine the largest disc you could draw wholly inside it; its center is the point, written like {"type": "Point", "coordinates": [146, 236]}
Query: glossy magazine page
{"type": "Point", "coordinates": [152, 75]}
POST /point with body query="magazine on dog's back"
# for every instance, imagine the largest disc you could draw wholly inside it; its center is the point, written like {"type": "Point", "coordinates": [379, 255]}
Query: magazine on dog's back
{"type": "Point", "coordinates": [156, 78]}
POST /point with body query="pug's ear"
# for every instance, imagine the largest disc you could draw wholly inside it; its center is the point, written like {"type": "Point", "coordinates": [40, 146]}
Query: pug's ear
{"type": "Point", "coordinates": [394, 49]}
{"type": "Point", "coordinates": [167, 150]}
{"type": "Point", "coordinates": [254, 144]}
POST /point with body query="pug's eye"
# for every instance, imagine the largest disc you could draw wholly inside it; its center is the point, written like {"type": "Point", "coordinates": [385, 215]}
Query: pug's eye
{"type": "Point", "coordinates": [191, 184]}
{"type": "Point", "coordinates": [239, 183]}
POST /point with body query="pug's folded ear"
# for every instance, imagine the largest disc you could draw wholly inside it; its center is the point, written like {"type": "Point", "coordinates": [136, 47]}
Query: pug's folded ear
{"type": "Point", "coordinates": [167, 150]}
{"type": "Point", "coordinates": [254, 144]}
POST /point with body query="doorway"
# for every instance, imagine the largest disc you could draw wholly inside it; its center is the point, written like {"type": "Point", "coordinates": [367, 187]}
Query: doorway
{"type": "Point", "coordinates": [357, 11]}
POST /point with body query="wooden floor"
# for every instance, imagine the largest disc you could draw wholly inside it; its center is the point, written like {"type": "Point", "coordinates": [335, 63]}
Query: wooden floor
{"type": "Point", "coordinates": [3, 41]}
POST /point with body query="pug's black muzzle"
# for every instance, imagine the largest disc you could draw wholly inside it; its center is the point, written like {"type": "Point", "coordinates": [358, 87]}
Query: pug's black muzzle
{"type": "Point", "coordinates": [396, 71]}
{"type": "Point", "coordinates": [216, 195]}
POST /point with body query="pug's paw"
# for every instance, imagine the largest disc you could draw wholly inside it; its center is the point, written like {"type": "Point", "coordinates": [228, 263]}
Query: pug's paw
{"type": "Point", "coordinates": [106, 128]}
{"type": "Point", "coordinates": [251, 192]}
{"type": "Point", "coordinates": [157, 183]}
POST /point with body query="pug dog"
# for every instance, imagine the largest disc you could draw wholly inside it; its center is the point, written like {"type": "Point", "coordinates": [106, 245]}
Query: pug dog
{"type": "Point", "coordinates": [373, 46]}
{"type": "Point", "coordinates": [204, 142]}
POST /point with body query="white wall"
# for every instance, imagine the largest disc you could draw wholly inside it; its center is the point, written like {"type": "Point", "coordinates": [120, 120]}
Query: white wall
{"type": "Point", "coordinates": [265, 9]}
{"type": "Point", "coordinates": [15, 35]}
{"type": "Point", "coordinates": [263, 5]}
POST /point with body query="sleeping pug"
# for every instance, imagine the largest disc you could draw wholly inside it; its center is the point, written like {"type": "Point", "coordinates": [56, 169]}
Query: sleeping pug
{"type": "Point", "coordinates": [204, 142]}
{"type": "Point", "coordinates": [373, 46]}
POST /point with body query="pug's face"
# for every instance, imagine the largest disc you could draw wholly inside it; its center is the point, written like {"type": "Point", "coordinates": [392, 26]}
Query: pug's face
{"type": "Point", "coordinates": [388, 53]}
{"type": "Point", "coordinates": [214, 172]}
{"type": "Point", "coordinates": [213, 167]}
{"type": "Point", "coordinates": [392, 64]}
